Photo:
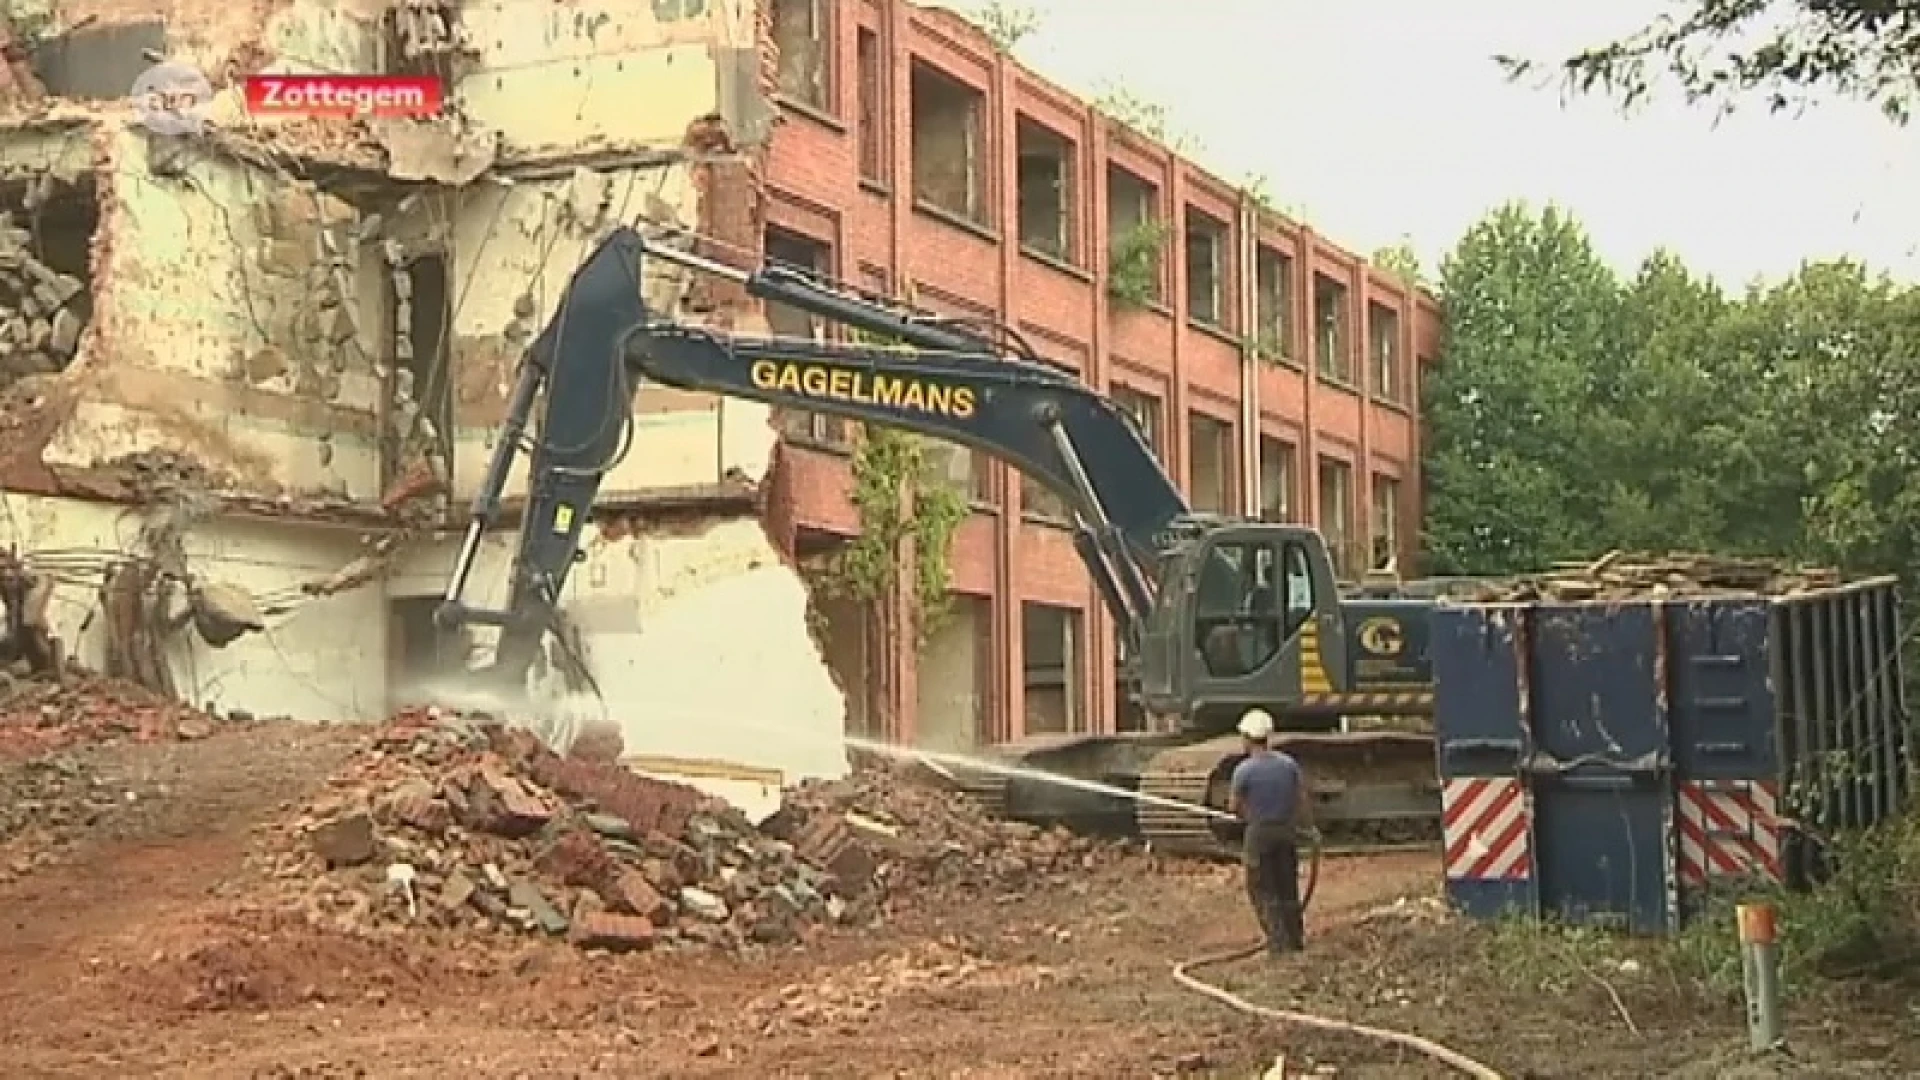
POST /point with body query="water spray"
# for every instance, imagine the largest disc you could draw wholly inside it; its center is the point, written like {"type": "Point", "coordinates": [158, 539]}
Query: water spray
{"type": "Point", "coordinates": [944, 761]}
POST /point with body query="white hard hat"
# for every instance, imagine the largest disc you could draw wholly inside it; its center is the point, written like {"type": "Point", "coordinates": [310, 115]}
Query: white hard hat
{"type": "Point", "coordinates": [1256, 724]}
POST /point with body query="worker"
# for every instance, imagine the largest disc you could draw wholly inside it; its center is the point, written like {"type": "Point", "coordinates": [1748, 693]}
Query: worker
{"type": "Point", "coordinates": [1269, 794]}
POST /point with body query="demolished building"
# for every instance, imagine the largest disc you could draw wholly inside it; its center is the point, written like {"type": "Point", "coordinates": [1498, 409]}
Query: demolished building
{"type": "Point", "coordinates": [275, 354]}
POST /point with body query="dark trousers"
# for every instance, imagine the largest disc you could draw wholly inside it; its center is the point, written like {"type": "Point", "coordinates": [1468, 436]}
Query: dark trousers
{"type": "Point", "coordinates": [1272, 860]}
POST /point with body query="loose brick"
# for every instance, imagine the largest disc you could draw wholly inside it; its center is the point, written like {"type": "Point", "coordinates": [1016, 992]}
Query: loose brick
{"type": "Point", "coordinates": [502, 805]}
{"type": "Point", "coordinates": [635, 895]}
{"type": "Point", "coordinates": [647, 804]}
{"type": "Point", "coordinates": [615, 933]}
{"type": "Point", "coordinates": [579, 860]}
{"type": "Point", "coordinates": [828, 844]}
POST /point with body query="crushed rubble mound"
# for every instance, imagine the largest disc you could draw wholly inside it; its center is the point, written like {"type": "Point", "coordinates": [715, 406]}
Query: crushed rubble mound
{"type": "Point", "coordinates": [927, 835]}
{"type": "Point", "coordinates": [465, 824]}
{"type": "Point", "coordinates": [41, 715]}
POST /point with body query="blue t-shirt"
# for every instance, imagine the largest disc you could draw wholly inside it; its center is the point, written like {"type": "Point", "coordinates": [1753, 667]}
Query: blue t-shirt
{"type": "Point", "coordinates": [1268, 786]}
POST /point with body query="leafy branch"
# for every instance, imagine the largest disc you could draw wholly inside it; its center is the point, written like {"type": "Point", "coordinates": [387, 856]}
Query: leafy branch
{"type": "Point", "coordinates": [1783, 51]}
{"type": "Point", "coordinates": [1005, 24]}
{"type": "Point", "coordinates": [899, 494]}
{"type": "Point", "coordinates": [1133, 263]}
{"type": "Point", "coordinates": [1128, 107]}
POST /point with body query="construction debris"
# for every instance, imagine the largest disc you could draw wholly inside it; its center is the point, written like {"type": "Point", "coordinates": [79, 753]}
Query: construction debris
{"type": "Point", "coordinates": [925, 834]}
{"type": "Point", "coordinates": [39, 326]}
{"type": "Point", "coordinates": [27, 645]}
{"type": "Point", "coordinates": [222, 613]}
{"type": "Point", "coordinates": [41, 715]}
{"type": "Point", "coordinates": [1619, 576]}
{"type": "Point", "coordinates": [490, 830]}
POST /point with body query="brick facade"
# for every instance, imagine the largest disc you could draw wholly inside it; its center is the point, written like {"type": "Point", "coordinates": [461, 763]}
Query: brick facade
{"type": "Point", "coordinates": [862, 205]}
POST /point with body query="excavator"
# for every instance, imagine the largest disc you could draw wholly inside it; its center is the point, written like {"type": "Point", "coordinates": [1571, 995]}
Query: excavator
{"type": "Point", "coordinates": [1214, 615]}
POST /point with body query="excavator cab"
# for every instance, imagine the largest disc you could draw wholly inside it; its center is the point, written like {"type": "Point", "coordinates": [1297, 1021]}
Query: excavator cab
{"type": "Point", "coordinates": [1248, 615]}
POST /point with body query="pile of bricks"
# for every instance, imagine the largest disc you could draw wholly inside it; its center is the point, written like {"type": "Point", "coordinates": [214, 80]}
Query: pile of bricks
{"type": "Point", "coordinates": [466, 825]}
{"type": "Point", "coordinates": [461, 824]}
{"type": "Point", "coordinates": [39, 326]}
{"type": "Point", "coordinates": [925, 838]}
{"type": "Point", "coordinates": [42, 715]}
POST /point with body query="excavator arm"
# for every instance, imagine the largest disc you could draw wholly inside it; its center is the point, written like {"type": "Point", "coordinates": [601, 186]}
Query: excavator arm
{"type": "Point", "coordinates": [939, 380]}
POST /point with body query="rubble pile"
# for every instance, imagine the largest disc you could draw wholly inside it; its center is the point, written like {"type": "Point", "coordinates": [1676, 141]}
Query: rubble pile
{"type": "Point", "coordinates": [470, 825]}
{"type": "Point", "coordinates": [919, 834]}
{"type": "Point", "coordinates": [41, 715]}
{"type": "Point", "coordinates": [1620, 576]}
{"type": "Point", "coordinates": [464, 824]}
{"type": "Point", "coordinates": [42, 799]}
{"type": "Point", "coordinates": [39, 329]}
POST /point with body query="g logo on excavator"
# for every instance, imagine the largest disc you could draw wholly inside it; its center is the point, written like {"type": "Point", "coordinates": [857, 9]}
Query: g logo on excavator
{"type": "Point", "coordinates": [1382, 636]}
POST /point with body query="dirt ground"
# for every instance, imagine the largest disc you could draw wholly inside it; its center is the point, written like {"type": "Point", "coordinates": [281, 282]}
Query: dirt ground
{"type": "Point", "coordinates": [130, 947]}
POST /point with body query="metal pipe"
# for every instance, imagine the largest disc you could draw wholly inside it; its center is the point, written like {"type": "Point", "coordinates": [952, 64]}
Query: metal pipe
{"type": "Point", "coordinates": [486, 502]}
{"type": "Point", "coordinates": [1760, 964]}
{"type": "Point", "coordinates": [690, 261]}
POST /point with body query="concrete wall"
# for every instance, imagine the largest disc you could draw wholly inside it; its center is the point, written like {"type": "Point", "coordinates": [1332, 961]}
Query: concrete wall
{"type": "Point", "coordinates": [325, 661]}
{"type": "Point", "coordinates": [697, 636]}
{"type": "Point", "coordinates": [219, 334]}
{"type": "Point", "coordinates": [594, 76]}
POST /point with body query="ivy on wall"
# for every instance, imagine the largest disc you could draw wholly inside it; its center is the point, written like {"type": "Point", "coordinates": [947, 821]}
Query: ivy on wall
{"type": "Point", "coordinates": [1133, 264]}
{"type": "Point", "coordinates": [900, 493]}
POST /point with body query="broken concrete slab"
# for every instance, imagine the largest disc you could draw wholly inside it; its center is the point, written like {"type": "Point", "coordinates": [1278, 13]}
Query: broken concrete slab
{"type": "Point", "coordinates": [347, 840]}
{"type": "Point", "coordinates": [528, 897]}
{"type": "Point", "coordinates": [454, 154]}
{"type": "Point", "coordinates": [704, 904]}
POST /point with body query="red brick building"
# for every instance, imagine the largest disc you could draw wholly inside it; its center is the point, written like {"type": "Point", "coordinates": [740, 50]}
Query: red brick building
{"type": "Point", "coordinates": [1276, 373]}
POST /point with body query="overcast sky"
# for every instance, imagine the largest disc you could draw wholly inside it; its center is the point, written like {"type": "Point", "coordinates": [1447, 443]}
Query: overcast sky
{"type": "Point", "coordinates": [1424, 135]}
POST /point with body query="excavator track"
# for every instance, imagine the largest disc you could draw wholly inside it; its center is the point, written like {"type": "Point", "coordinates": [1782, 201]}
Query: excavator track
{"type": "Point", "coordinates": [986, 789]}
{"type": "Point", "coordinates": [1187, 775]}
{"type": "Point", "coordinates": [1373, 791]}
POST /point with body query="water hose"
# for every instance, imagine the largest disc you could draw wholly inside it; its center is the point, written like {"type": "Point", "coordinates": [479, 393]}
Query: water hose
{"type": "Point", "coordinates": [1183, 974]}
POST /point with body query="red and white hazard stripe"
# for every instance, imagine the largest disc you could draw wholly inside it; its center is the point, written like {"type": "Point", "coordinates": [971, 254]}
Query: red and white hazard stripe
{"type": "Point", "coordinates": [1728, 828]}
{"type": "Point", "coordinates": [1484, 822]}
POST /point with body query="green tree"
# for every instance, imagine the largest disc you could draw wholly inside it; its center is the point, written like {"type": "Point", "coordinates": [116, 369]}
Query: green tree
{"type": "Point", "coordinates": [1531, 311]}
{"type": "Point", "coordinates": [1782, 51]}
{"type": "Point", "coordinates": [1662, 421]}
{"type": "Point", "coordinates": [1842, 364]}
